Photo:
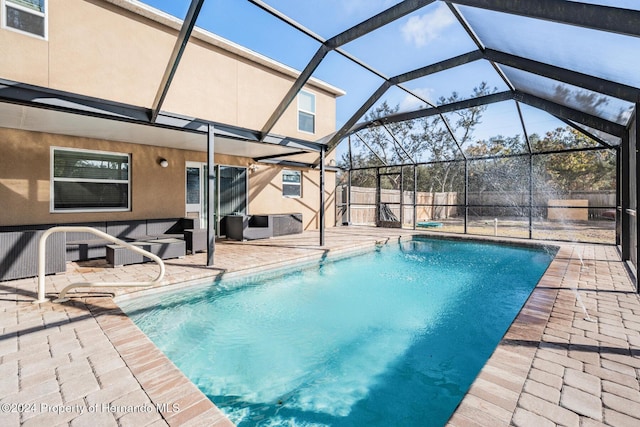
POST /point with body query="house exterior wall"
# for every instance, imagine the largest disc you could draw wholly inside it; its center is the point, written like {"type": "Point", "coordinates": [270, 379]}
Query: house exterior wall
{"type": "Point", "coordinates": [241, 92]}
{"type": "Point", "coordinates": [265, 195]}
{"type": "Point", "coordinates": [15, 65]}
{"type": "Point", "coordinates": [118, 51]}
{"type": "Point", "coordinates": [156, 192]}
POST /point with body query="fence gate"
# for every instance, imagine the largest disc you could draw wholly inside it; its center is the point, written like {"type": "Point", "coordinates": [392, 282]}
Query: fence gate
{"type": "Point", "coordinates": [389, 203]}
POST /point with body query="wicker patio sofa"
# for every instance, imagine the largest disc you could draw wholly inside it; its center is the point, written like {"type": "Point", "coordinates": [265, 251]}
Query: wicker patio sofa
{"type": "Point", "coordinates": [19, 244]}
{"type": "Point", "coordinates": [19, 252]}
{"type": "Point", "coordinates": [262, 226]}
{"type": "Point", "coordinates": [82, 246]}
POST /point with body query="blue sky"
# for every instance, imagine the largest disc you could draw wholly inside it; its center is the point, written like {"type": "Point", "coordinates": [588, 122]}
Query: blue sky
{"type": "Point", "coordinates": [428, 35]}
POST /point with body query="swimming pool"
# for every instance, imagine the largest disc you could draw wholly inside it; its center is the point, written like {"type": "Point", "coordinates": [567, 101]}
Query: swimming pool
{"type": "Point", "coordinates": [394, 336]}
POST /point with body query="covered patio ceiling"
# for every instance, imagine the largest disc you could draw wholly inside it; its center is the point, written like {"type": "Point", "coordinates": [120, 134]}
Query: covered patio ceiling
{"type": "Point", "coordinates": [574, 60]}
{"type": "Point", "coordinates": [36, 109]}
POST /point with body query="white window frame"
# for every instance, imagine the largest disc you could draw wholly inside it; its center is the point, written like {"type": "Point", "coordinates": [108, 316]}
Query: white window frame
{"type": "Point", "coordinates": [15, 5]}
{"type": "Point", "coordinates": [53, 180]}
{"type": "Point", "coordinates": [311, 113]}
{"type": "Point", "coordinates": [299, 184]}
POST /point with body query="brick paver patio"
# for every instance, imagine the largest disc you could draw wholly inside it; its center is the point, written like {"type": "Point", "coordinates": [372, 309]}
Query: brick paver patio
{"type": "Point", "coordinates": [570, 358]}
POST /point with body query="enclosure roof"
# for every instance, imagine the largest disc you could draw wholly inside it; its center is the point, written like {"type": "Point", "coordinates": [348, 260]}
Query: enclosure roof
{"type": "Point", "coordinates": [576, 61]}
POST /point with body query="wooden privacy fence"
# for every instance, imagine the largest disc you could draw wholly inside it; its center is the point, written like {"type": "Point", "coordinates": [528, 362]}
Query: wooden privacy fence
{"type": "Point", "coordinates": [432, 206]}
{"type": "Point", "coordinates": [512, 203]}
{"type": "Point", "coordinates": [363, 204]}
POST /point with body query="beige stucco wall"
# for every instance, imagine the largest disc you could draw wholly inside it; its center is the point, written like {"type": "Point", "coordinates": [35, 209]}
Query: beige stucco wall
{"type": "Point", "coordinates": [156, 192]}
{"type": "Point", "coordinates": [117, 50]}
{"type": "Point", "coordinates": [99, 49]}
{"type": "Point", "coordinates": [265, 195]}
{"type": "Point", "coordinates": [238, 91]}
{"type": "Point", "coordinates": [96, 50]}
{"type": "Point", "coordinates": [15, 65]}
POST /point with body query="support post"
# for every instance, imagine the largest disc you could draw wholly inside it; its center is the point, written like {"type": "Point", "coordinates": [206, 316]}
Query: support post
{"type": "Point", "coordinates": [211, 217]}
{"type": "Point", "coordinates": [348, 197]}
{"type": "Point", "coordinates": [349, 182]}
{"type": "Point", "coordinates": [178, 49]}
{"type": "Point", "coordinates": [530, 155]}
{"type": "Point", "coordinates": [619, 198]}
{"type": "Point", "coordinates": [415, 196]}
{"type": "Point", "coordinates": [634, 134]}
{"type": "Point", "coordinates": [321, 213]}
{"type": "Point", "coordinates": [629, 197]}
{"type": "Point", "coordinates": [378, 197]}
{"type": "Point", "coordinates": [530, 196]}
{"type": "Point", "coordinates": [466, 194]}
{"type": "Point", "coordinates": [626, 195]}
{"type": "Point", "coordinates": [401, 196]}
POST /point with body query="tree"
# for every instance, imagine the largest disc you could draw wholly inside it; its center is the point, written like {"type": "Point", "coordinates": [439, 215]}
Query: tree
{"type": "Point", "coordinates": [442, 144]}
{"type": "Point", "coordinates": [575, 170]}
{"type": "Point", "coordinates": [423, 139]}
{"type": "Point", "coordinates": [497, 173]}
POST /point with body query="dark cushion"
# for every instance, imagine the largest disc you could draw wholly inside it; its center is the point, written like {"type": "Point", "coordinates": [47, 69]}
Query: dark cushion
{"type": "Point", "coordinates": [127, 229]}
{"type": "Point", "coordinates": [157, 227]}
{"type": "Point", "coordinates": [74, 236]}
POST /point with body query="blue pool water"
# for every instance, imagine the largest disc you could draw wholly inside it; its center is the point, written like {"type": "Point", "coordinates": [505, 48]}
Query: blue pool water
{"type": "Point", "coordinates": [391, 337]}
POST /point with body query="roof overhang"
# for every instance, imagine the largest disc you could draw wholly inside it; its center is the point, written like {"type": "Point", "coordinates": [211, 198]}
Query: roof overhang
{"type": "Point", "coordinates": [38, 109]}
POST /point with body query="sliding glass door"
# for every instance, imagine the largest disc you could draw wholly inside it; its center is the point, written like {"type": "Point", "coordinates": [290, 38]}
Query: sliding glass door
{"type": "Point", "coordinates": [230, 192]}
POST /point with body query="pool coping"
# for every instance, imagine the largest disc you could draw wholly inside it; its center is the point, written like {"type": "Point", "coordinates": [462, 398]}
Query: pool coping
{"type": "Point", "coordinates": [166, 386]}
{"type": "Point", "coordinates": [510, 363]}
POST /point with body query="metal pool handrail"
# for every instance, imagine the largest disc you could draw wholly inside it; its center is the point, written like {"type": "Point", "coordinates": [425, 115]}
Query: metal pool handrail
{"type": "Point", "coordinates": [62, 296]}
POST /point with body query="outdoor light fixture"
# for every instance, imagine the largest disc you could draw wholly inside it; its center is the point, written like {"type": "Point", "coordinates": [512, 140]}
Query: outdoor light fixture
{"type": "Point", "coordinates": [253, 167]}
{"type": "Point", "coordinates": [163, 162]}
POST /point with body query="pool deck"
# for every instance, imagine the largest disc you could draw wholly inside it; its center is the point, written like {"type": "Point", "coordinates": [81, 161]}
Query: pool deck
{"type": "Point", "coordinates": [85, 363]}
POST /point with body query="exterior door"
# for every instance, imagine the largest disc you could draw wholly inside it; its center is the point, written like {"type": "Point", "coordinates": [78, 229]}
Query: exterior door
{"type": "Point", "coordinates": [196, 191]}
{"type": "Point", "coordinates": [230, 192]}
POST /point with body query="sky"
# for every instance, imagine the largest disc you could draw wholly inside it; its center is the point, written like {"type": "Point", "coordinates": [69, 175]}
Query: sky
{"type": "Point", "coordinates": [426, 36]}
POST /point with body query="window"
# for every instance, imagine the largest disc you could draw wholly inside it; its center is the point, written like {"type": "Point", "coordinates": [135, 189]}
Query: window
{"type": "Point", "coordinates": [291, 184]}
{"type": "Point", "coordinates": [28, 16]}
{"type": "Point", "coordinates": [306, 112]}
{"type": "Point", "coordinates": [89, 181]}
